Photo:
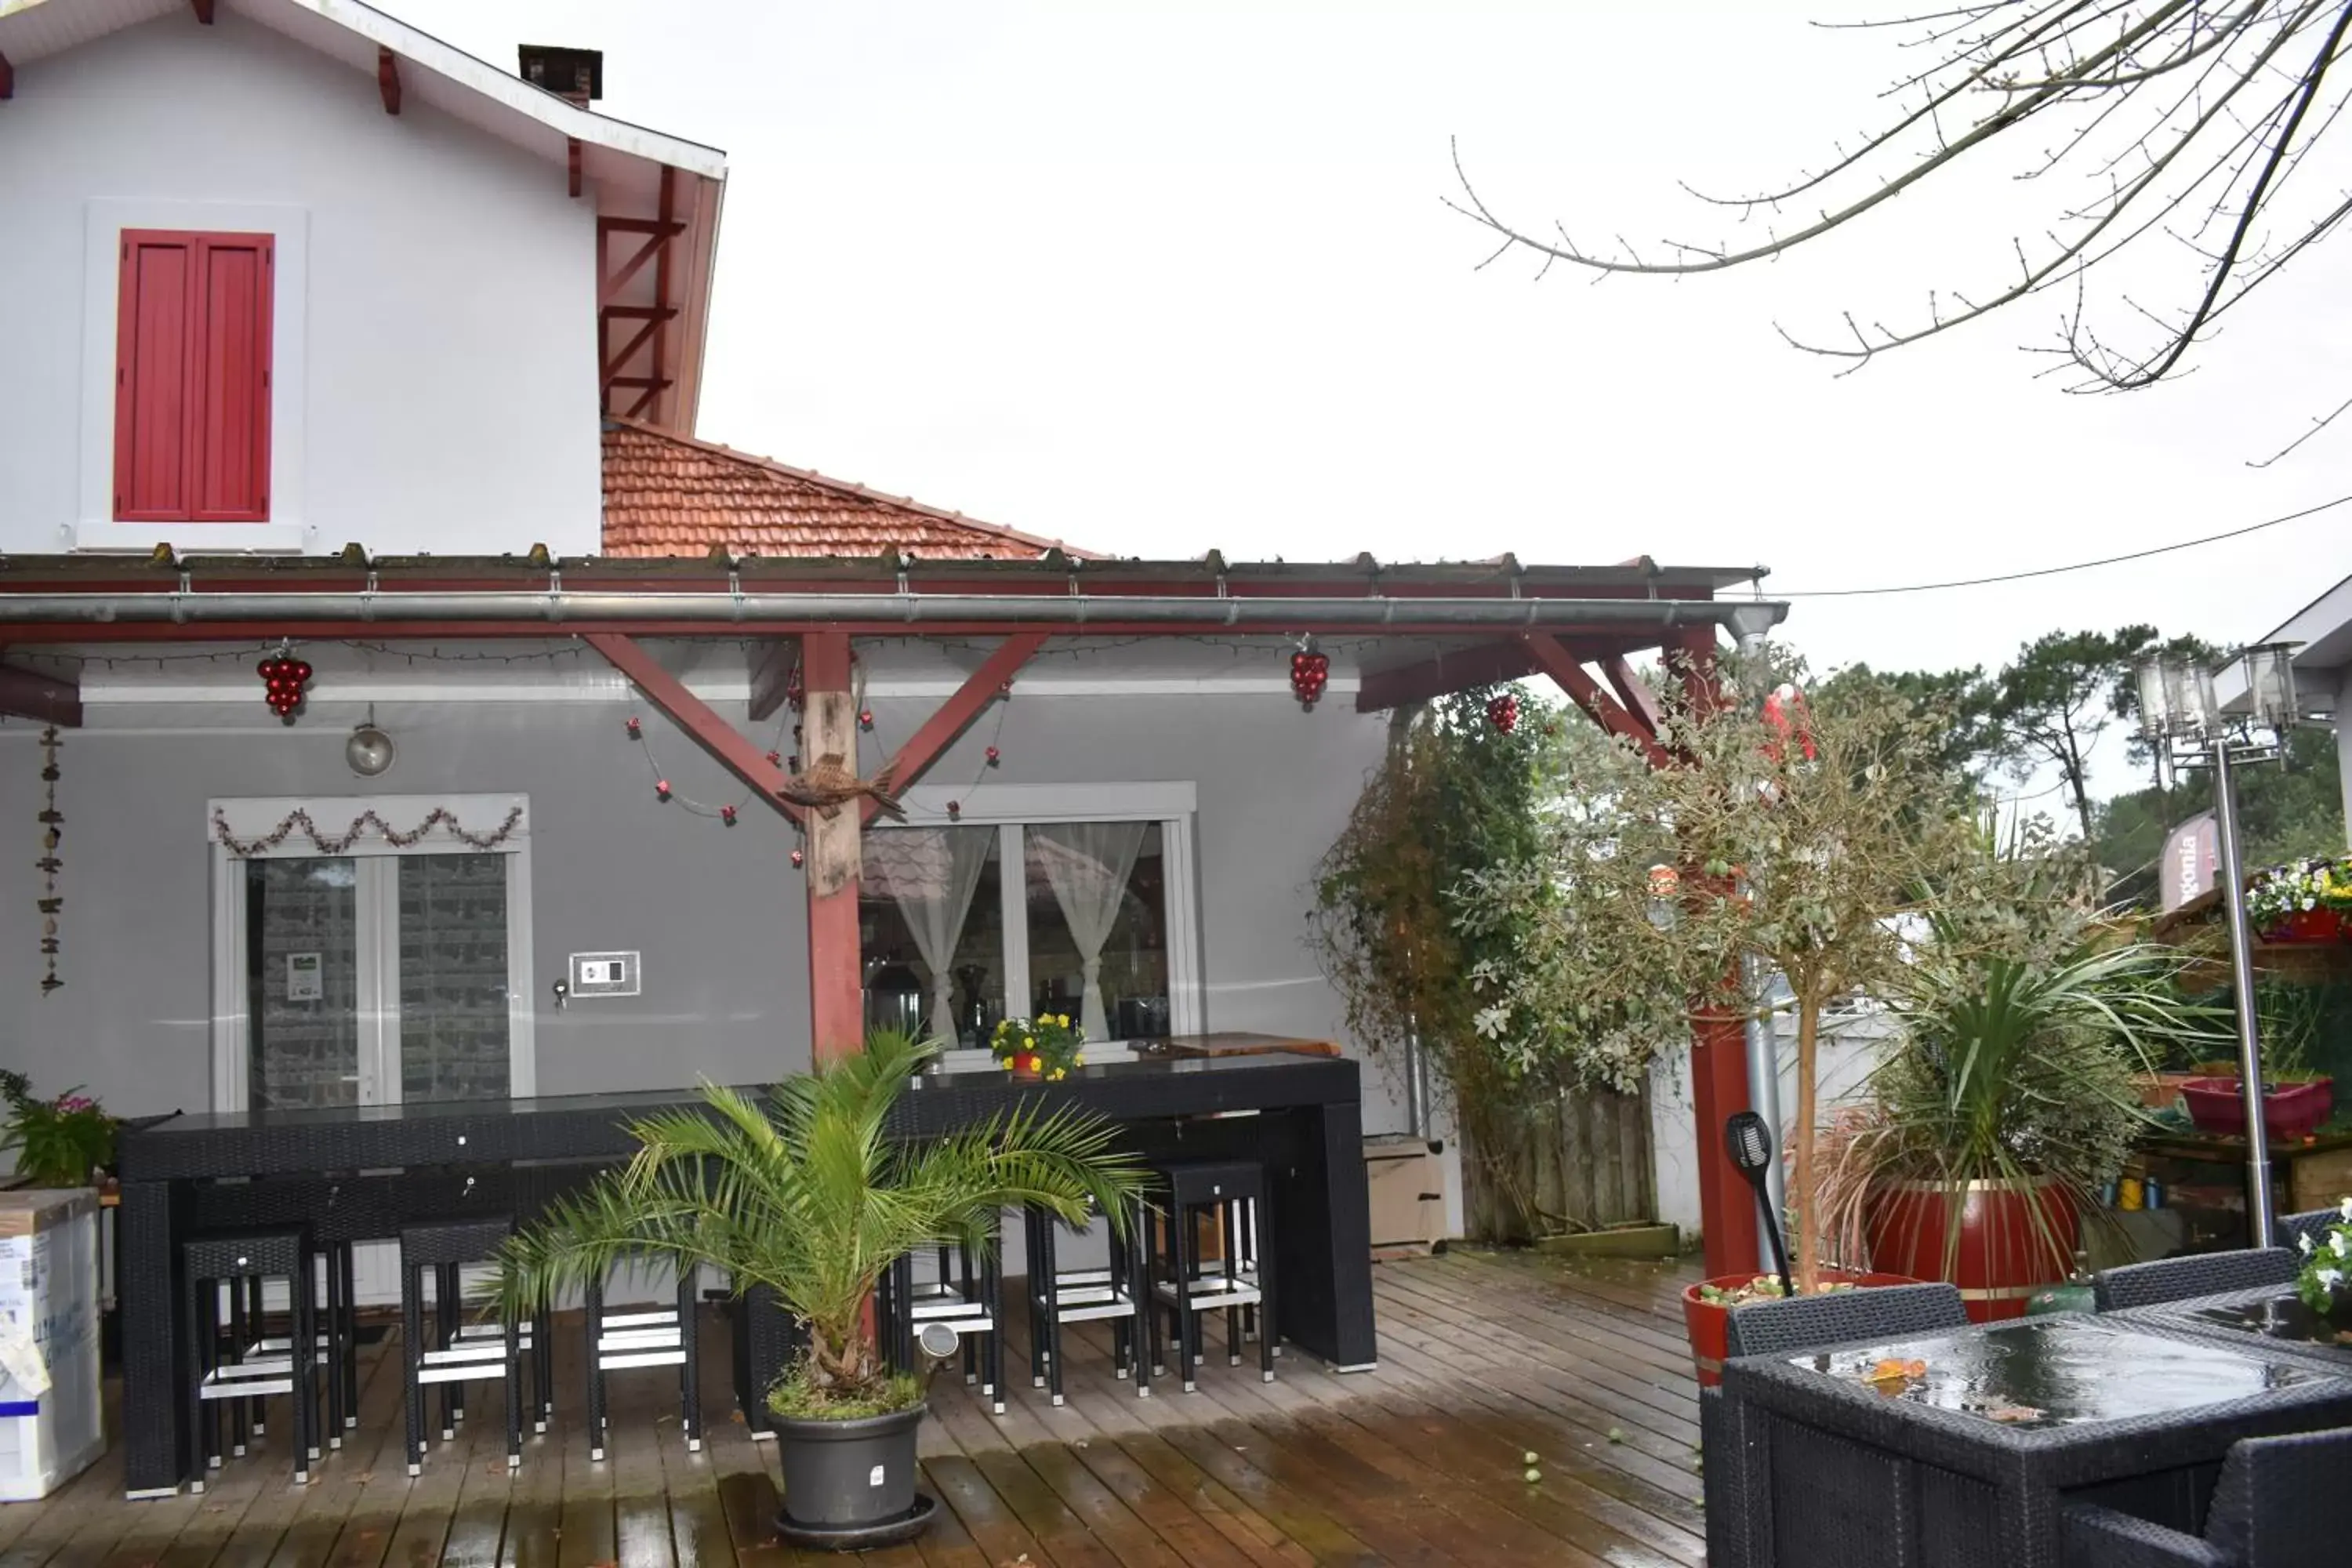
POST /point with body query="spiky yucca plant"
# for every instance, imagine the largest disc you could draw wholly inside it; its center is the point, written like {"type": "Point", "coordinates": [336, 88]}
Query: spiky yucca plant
{"type": "Point", "coordinates": [810, 1196]}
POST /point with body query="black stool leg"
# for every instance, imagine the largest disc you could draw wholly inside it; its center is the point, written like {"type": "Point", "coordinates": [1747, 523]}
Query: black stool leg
{"type": "Point", "coordinates": [971, 1349]}
{"type": "Point", "coordinates": [514, 1394]}
{"type": "Point", "coordinates": [689, 1339]}
{"type": "Point", "coordinates": [1138, 1287]}
{"type": "Point", "coordinates": [992, 1285]}
{"type": "Point", "coordinates": [243, 1415]}
{"type": "Point", "coordinates": [351, 1362]}
{"type": "Point", "coordinates": [412, 1340]}
{"type": "Point", "coordinates": [1188, 1321]}
{"type": "Point", "coordinates": [333, 1318]}
{"type": "Point", "coordinates": [1048, 1230]}
{"type": "Point", "coordinates": [1269, 1330]}
{"type": "Point", "coordinates": [1229, 1216]}
{"type": "Point", "coordinates": [302, 1342]}
{"type": "Point", "coordinates": [595, 1313]}
{"type": "Point", "coordinates": [1154, 1326]}
{"type": "Point", "coordinates": [542, 1352]}
{"type": "Point", "coordinates": [1122, 1339]}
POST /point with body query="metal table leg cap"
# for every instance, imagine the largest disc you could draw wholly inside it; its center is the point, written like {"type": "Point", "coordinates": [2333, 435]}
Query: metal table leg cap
{"type": "Point", "coordinates": [514, 1461]}
{"type": "Point", "coordinates": [1057, 1402]}
{"type": "Point", "coordinates": [414, 1471]}
{"type": "Point", "coordinates": [1189, 1388]}
{"type": "Point", "coordinates": [693, 1445]}
{"type": "Point", "coordinates": [237, 1450]}
{"type": "Point", "coordinates": [597, 1455]}
{"type": "Point", "coordinates": [1269, 1377]}
{"type": "Point", "coordinates": [302, 1478]}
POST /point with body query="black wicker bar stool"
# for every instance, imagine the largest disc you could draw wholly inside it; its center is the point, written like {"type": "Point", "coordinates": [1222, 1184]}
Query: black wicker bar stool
{"type": "Point", "coordinates": [1059, 1295]}
{"type": "Point", "coordinates": [964, 1294]}
{"type": "Point", "coordinates": [457, 1352]}
{"type": "Point", "coordinates": [652, 1334]}
{"type": "Point", "coordinates": [1230, 1194]}
{"type": "Point", "coordinates": [237, 1372]}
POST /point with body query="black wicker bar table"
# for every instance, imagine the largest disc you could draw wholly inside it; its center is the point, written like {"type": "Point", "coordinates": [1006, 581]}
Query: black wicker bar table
{"type": "Point", "coordinates": [1957, 1450]}
{"type": "Point", "coordinates": [2272, 1316]}
{"type": "Point", "coordinates": [1299, 1115]}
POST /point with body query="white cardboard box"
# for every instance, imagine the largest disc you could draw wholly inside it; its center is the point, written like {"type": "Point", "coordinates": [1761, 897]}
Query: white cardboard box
{"type": "Point", "coordinates": [50, 1425]}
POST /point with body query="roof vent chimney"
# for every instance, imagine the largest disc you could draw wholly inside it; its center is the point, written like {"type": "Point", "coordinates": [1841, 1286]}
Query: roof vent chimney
{"type": "Point", "coordinates": [577, 75]}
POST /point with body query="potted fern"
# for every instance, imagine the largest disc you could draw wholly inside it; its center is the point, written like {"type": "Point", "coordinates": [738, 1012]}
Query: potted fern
{"type": "Point", "coordinates": [811, 1195]}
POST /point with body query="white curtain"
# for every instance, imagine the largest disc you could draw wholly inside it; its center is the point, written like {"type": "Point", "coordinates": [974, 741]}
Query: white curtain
{"type": "Point", "coordinates": [1087, 864]}
{"type": "Point", "coordinates": [931, 872]}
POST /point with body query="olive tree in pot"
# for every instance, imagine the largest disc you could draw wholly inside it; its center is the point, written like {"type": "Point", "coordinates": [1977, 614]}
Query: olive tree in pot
{"type": "Point", "coordinates": [812, 1196]}
{"type": "Point", "coordinates": [1776, 841]}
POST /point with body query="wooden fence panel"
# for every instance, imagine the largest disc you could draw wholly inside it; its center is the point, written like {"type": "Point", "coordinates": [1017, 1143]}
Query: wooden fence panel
{"type": "Point", "coordinates": [1572, 1161]}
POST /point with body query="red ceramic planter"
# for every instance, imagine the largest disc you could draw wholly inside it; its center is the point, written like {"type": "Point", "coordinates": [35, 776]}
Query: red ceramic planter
{"type": "Point", "coordinates": [2290, 1111]}
{"type": "Point", "coordinates": [2306, 926]}
{"type": "Point", "coordinates": [1709, 1326]}
{"type": "Point", "coordinates": [2007, 1251]}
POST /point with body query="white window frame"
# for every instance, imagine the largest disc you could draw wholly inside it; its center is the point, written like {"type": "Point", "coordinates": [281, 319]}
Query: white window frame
{"type": "Point", "coordinates": [379, 1003]}
{"type": "Point", "coordinates": [288, 226]}
{"type": "Point", "coordinates": [1009, 808]}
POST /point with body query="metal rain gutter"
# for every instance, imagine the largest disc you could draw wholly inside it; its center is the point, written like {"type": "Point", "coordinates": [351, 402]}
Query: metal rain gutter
{"type": "Point", "coordinates": [563, 607]}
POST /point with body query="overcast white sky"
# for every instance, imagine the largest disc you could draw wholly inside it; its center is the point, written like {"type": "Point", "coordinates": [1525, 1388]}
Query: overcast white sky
{"type": "Point", "coordinates": [1158, 277]}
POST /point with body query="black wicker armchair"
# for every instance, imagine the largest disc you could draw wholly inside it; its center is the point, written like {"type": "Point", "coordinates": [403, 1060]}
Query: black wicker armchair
{"type": "Point", "coordinates": [2200, 1274]}
{"type": "Point", "coordinates": [2314, 1224]}
{"type": "Point", "coordinates": [2274, 1508]}
{"type": "Point", "coordinates": [1763, 1327]}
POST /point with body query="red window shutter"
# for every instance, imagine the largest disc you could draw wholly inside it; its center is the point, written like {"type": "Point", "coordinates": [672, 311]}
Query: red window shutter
{"type": "Point", "coordinates": [193, 378]}
{"type": "Point", "coordinates": [228, 445]}
{"type": "Point", "coordinates": [150, 377]}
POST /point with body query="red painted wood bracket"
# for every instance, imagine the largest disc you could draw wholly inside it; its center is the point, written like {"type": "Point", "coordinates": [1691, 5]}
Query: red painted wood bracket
{"type": "Point", "coordinates": [203, 9]}
{"type": "Point", "coordinates": [703, 725]}
{"type": "Point", "coordinates": [1555, 660]}
{"type": "Point", "coordinates": [51, 699]}
{"type": "Point", "coordinates": [388, 79]}
{"type": "Point", "coordinates": [1639, 700]}
{"type": "Point", "coordinates": [7, 78]}
{"type": "Point", "coordinates": [939, 732]}
{"type": "Point", "coordinates": [572, 166]}
{"type": "Point", "coordinates": [1462, 670]}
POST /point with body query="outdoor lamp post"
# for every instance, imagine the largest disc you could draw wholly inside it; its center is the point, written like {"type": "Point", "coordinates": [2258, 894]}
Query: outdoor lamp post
{"type": "Point", "coordinates": [2181, 718]}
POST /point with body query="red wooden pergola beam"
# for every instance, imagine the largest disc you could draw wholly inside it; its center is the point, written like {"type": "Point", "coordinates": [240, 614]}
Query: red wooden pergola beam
{"type": "Point", "coordinates": [652, 624]}
{"type": "Point", "coordinates": [702, 724]}
{"type": "Point", "coordinates": [388, 79]}
{"type": "Point", "coordinates": [939, 732]}
{"type": "Point", "coordinates": [51, 699]}
{"type": "Point", "coordinates": [1639, 700]}
{"type": "Point", "coordinates": [644, 335]}
{"type": "Point", "coordinates": [1554, 659]}
{"type": "Point", "coordinates": [1462, 670]}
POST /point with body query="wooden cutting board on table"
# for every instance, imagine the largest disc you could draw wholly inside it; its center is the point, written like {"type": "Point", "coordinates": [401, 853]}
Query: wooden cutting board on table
{"type": "Point", "coordinates": [1233, 1044]}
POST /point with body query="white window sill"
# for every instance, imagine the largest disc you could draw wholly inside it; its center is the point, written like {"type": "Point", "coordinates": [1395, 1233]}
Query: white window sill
{"type": "Point", "coordinates": [194, 538]}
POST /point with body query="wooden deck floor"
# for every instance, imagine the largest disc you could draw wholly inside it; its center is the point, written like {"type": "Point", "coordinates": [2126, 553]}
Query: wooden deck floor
{"type": "Point", "coordinates": [1484, 1357]}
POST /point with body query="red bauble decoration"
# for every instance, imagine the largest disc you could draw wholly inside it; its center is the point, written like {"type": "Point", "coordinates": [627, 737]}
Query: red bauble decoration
{"type": "Point", "coordinates": [775, 759]}
{"type": "Point", "coordinates": [283, 678]}
{"type": "Point", "coordinates": [798, 859]}
{"type": "Point", "coordinates": [955, 811]}
{"type": "Point", "coordinates": [637, 731]}
{"type": "Point", "coordinates": [727, 815]}
{"type": "Point", "coordinates": [1309, 673]}
{"type": "Point", "coordinates": [995, 756]}
{"type": "Point", "coordinates": [866, 717]}
{"type": "Point", "coordinates": [795, 689]}
{"type": "Point", "coordinates": [1784, 709]}
{"type": "Point", "coordinates": [1503, 712]}
{"type": "Point", "coordinates": [661, 788]}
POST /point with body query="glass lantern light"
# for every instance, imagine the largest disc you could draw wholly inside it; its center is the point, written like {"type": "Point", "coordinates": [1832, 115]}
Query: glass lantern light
{"type": "Point", "coordinates": [2269, 669]}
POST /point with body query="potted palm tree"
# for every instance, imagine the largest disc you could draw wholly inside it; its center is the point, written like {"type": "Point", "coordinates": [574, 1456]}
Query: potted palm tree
{"type": "Point", "coordinates": [810, 1195]}
{"type": "Point", "coordinates": [2009, 1093]}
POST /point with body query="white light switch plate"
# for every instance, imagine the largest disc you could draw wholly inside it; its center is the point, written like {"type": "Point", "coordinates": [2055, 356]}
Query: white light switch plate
{"type": "Point", "coordinates": [603, 974]}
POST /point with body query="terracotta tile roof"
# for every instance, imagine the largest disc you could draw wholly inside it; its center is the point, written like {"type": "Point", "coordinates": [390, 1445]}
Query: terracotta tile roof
{"type": "Point", "coordinates": [666, 494]}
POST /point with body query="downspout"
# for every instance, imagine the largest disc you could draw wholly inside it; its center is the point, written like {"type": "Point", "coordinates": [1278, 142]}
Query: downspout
{"type": "Point", "coordinates": [1763, 1050]}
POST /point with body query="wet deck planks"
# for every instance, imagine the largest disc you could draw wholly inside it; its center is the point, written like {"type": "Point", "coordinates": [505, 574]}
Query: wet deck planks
{"type": "Point", "coordinates": [1485, 1356]}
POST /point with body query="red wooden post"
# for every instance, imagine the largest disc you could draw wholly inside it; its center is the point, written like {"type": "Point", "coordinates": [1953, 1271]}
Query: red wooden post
{"type": "Point", "coordinates": [836, 991]}
{"type": "Point", "coordinates": [1720, 1087]}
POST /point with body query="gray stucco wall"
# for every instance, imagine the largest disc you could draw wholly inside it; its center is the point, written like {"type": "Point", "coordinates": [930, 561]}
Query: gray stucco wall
{"type": "Point", "coordinates": [718, 913]}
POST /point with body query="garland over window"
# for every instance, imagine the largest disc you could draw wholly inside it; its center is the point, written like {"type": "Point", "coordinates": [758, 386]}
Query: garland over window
{"type": "Point", "coordinates": [298, 821]}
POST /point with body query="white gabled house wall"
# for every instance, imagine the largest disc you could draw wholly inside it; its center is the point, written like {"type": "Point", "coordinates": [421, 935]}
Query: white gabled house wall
{"type": "Point", "coordinates": [436, 373]}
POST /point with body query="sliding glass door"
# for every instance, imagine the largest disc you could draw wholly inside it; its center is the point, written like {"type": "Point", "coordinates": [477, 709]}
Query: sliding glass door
{"type": "Point", "coordinates": [352, 967]}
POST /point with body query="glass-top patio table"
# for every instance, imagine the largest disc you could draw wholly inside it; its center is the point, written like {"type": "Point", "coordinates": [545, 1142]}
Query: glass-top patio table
{"type": "Point", "coordinates": [2272, 1316]}
{"type": "Point", "coordinates": [1299, 1115]}
{"type": "Point", "coordinates": [1960, 1448]}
